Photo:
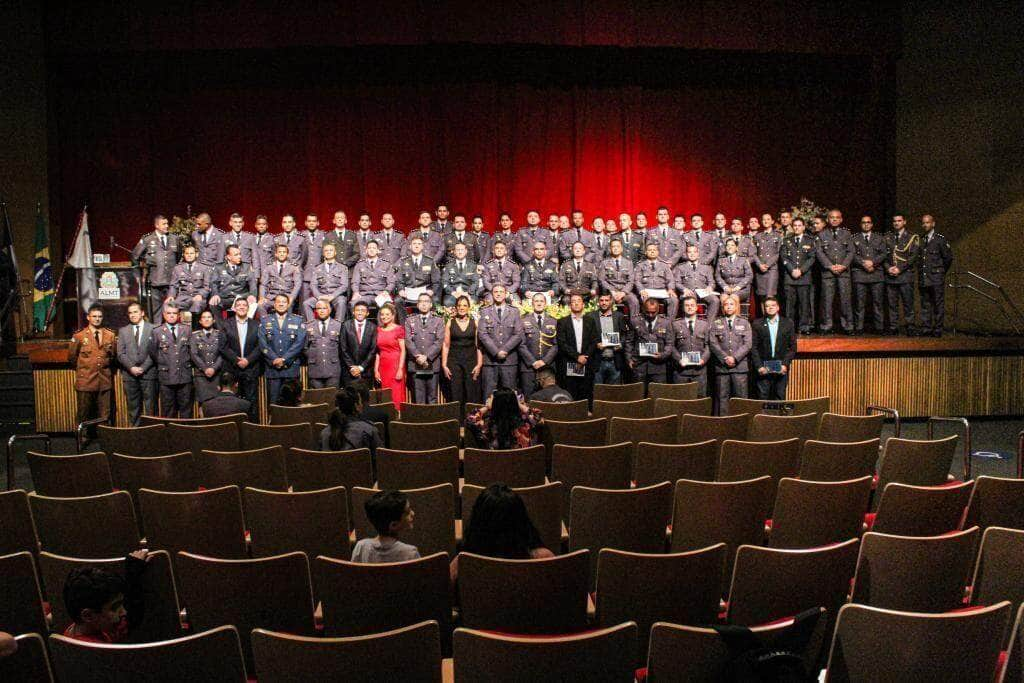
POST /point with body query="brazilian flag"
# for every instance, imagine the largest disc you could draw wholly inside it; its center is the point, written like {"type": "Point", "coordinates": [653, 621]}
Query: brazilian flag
{"type": "Point", "coordinates": [42, 289]}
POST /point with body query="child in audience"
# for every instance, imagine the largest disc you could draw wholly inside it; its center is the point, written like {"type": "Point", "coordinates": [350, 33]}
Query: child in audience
{"type": "Point", "coordinates": [102, 605]}
{"type": "Point", "coordinates": [391, 515]}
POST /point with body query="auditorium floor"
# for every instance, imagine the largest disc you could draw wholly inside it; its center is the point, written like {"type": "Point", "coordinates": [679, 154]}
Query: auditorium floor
{"type": "Point", "coordinates": [990, 435]}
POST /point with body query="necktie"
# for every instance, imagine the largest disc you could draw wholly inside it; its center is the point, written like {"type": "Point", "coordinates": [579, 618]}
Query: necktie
{"type": "Point", "coordinates": [600, 241]}
{"type": "Point", "coordinates": [540, 321]}
{"type": "Point", "coordinates": [138, 337]}
{"type": "Point", "coordinates": [163, 241]}
{"type": "Point", "coordinates": [423, 320]}
{"type": "Point", "coordinates": [387, 238]}
{"type": "Point", "coordinates": [327, 267]}
{"type": "Point", "coordinates": [691, 328]}
{"type": "Point", "coordinates": [204, 239]}
{"type": "Point", "coordinates": [579, 235]}
{"type": "Point", "coordinates": [693, 265]}
{"type": "Point", "coordinates": [617, 264]}
{"type": "Point", "coordinates": [416, 263]}
{"type": "Point", "coordinates": [189, 267]}
{"type": "Point", "coordinates": [207, 334]}
{"type": "Point", "coordinates": [867, 237]}
{"type": "Point", "coordinates": [280, 267]}
{"type": "Point", "coordinates": [459, 236]}
{"type": "Point", "coordinates": [499, 311]}
{"type": "Point", "coordinates": [664, 234]}
{"type": "Point", "coordinates": [730, 323]}
{"type": "Point", "coordinates": [174, 332]}
{"type": "Point", "coordinates": [650, 325]}
{"type": "Point", "coordinates": [323, 328]}
{"type": "Point", "coordinates": [577, 267]}
{"type": "Point", "coordinates": [359, 333]}
{"type": "Point", "coordinates": [287, 238]}
{"type": "Point", "coordinates": [799, 238]}
{"type": "Point", "coordinates": [462, 267]}
{"type": "Point", "coordinates": [373, 264]}
{"type": "Point", "coordinates": [98, 338]}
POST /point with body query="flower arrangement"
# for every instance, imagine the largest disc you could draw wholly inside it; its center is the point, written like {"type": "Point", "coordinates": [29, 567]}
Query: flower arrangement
{"type": "Point", "coordinates": [807, 210]}
{"type": "Point", "coordinates": [183, 227]}
{"type": "Point", "coordinates": [555, 310]}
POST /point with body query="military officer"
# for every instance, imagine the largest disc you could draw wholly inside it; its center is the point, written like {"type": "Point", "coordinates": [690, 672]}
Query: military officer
{"type": "Point", "coordinates": [670, 242]}
{"type": "Point", "coordinates": [441, 225]}
{"type": "Point", "coordinates": [576, 273]}
{"type": "Point", "coordinates": [209, 241]}
{"type": "Point", "coordinates": [765, 263]}
{"type": "Point", "coordinates": [835, 254]}
{"type": "Point", "coordinates": [598, 251]}
{"type": "Point", "coordinates": [632, 240]}
{"type": "Point", "coordinates": [692, 335]}
{"type": "Point", "coordinates": [416, 270]}
{"type": "Point", "coordinates": [263, 246]}
{"type": "Point", "coordinates": [433, 242]}
{"type": "Point", "coordinates": [577, 233]}
{"type": "Point", "coordinates": [279, 277]}
{"type": "Point", "coordinates": [712, 242]}
{"type": "Point", "coordinates": [158, 252]}
{"type": "Point", "coordinates": [92, 352]}
{"type": "Point", "coordinates": [232, 279]}
{"type": "Point", "coordinates": [372, 277]}
{"type": "Point", "coordinates": [323, 347]}
{"type": "Point", "coordinates": [282, 338]}
{"type": "Point", "coordinates": [314, 237]}
{"type": "Point", "coordinates": [692, 278]}
{"type": "Point", "coordinates": [868, 275]}
{"type": "Point", "coordinates": [653, 274]}
{"type": "Point", "coordinates": [169, 347]}
{"type": "Point", "coordinates": [460, 276]}
{"type": "Point", "coordinates": [936, 258]}
{"type": "Point", "coordinates": [459, 236]}
{"type": "Point", "coordinates": [204, 347]}
{"type": "Point", "coordinates": [344, 241]}
{"type": "Point", "coordinates": [483, 240]}
{"type": "Point", "coordinates": [424, 336]}
{"type": "Point", "coordinates": [615, 275]}
{"type": "Point", "coordinates": [500, 270]}
{"type": "Point", "coordinates": [390, 242]}
{"type": "Point", "coordinates": [499, 334]}
{"type": "Point", "coordinates": [364, 235]}
{"type": "Point", "coordinates": [730, 344]}
{"type": "Point", "coordinates": [506, 236]}
{"type": "Point", "coordinates": [732, 272]}
{"type": "Point", "coordinates": [529, 235]}
{"type": "Point", "coordinates": [651, 365]}
{"type": "Point", "coordinates": [245, 241]}
{"type": "Point", "coordinates": [799, 252]}
{"type": "Point", "coordinates": [538, 348]}
{"type": "Point", "coordinates": [190, 286]}
{"type": "Point", "coordinates": [903, 250]}
{"type": "Point", "coordinates": [540, 274]}
{"type": "Point", "coordinates": [297, 245]}
{"type": "Point", "coordinates": [744, 244]}
{"type": "Point", "coordinates": [329, 283]}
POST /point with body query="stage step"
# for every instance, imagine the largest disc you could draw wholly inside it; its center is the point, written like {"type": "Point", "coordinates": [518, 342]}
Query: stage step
{"type": "Point", "coordinates": [17, 397]}
{"type": "Point", "coordinates": [18, 363]}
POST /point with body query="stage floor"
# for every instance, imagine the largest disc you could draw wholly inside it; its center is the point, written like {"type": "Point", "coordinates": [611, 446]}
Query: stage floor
{"type": "Point", "coordinates": [960, 344]}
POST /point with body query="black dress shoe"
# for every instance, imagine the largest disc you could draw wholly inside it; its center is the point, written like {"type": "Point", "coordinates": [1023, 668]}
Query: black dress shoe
{"type": "Point", "coordinates": [848, 333]}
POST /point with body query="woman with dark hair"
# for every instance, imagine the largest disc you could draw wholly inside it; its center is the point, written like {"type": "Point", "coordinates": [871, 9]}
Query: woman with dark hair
{"type": "Point", "coordinates": [291, 394]}
{"type": "Point", "coordinates": [461, 359]}
{"type": "Point", "coordinates": [505, 422]}
{"type": "Point", "coordinates": [501, 527]}
{"type": "Point", "coordinates": [345, 430]}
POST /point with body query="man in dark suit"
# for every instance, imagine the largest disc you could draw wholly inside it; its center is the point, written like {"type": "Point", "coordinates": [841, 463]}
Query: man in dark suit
{"type": "Point", "coordinates": [358, 346]}
{"type": "Point", "coordinates": [139, 372]}
{"type": "Point", "coordinates": [577, 336]}
{"type": "Point", "coordinates": [227, 401]}
{"type": "Point", "coordinates": [241, 351]}
{"type": "Point", "coordinates": [774, 341]}
{"type": "Point", "coordinates": [611, 360]}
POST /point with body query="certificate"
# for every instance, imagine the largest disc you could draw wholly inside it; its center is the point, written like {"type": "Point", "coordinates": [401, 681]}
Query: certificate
{"type": "Point", "coordinates": [773, 366]}
{"type": "Point", "coordinates": [610, 339]}
{"type": "Point", "coordinates": [382, 298]}
{"type": "Point", "coordinates": [657, 293]}
{"type": "Point", "coordinates": [691, 358]}
{"type": "Point", "coordinates": [648, 349]}
{"type": "Point", "coordinates": [573, 369]}
{"type": "Point", "coordinates": [702, 293]}
{"type": "Point", "coordinates": [413, 293]}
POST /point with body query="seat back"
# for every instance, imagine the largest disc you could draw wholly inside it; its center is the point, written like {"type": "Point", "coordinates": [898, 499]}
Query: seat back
{"type": "Point", "coordinates": [412, 653]}
{"type": "Point", "coordinates": [91, 526]}
{"type": "Point", "coordinates": [921, 510]}
{"type": "Point", "coordinates": [517, 468]}
{"type": "Point", "coordinates": [996, 501]}
{"type": "Point", "coordinates": [312, 522]}
{"type": "Point", "coordinates": [256, 436]}
{"type": "Point", "coordinates": [920, 463]}
{"type": "Point", "coordinates": [782, 427]}
{"type": "Point", "coordinates": [770, 584]}
{"type": "Point", "coordinates": [18, 532]}
{"type": "Point", "coordinates": [1014, 668]}
{"type": "Point", "coordinates": [142, 441]}
{"type": "Point", "coordinates": [584, 433]}
{"type": "Point", "coordinates": [849, 428]}
{"type": "Point", "coordinates": [237, 418]}
{"type": "Point", "coordinates": [21, 600]}
{"type": "Point", "coordinates": [323, 395]}
{"type": "Point", "coordinates": [203, 522]}
{"type": "Point", "coordinates": [599, 467]}
{"type": "Point", "coordinates": [646, 588]}
{"type": "Point", "coordinates": [999, 572]}
{"type": "Point", "coordinates": [424, 436]}
{"type": "Point", "coordinates": [684, 391]}
{"type": "Point", "coordinates": [886, 645]}
{"type": "Point", "coordinates": [29, 662]}
{"type": "Point", "coordinates": [260, 468]}
{"type": "Point", "coordinates": [598, 656]}
{"type": "Point", "coordinates": [315, 470]}
{"type": "Point", "coordinates": [296, 415]}
{"type": "Point", "coordinates": [652, 430]}
{"type": "Point", "coordinates": [434, 530]}
{"type": "Point", "coordinates": [815, 513]}
{"type": "Point", "coordinates": [638, 409]}
{"type": "Point", "coordinates": [269, 592]}
{"type": "Point", "coordinates": [380, 396]}
{"type": "Point", "coordinates": [619, 392]}
{"type": "Point", "coordinates": [430, 412]}
{"type": "Point", "coordinates": [656, 462]}
{"type": "Point", "coordinates": [524, 596]}
{"type": "Point", "coordinates": [212, 437]}
{"type": "Point", "coordinates": [566, 411]}
{"type": "Point", "coordinates": [680, 407]}
{"type": "Point", "coordinates": [161, 473]}
{"type": "Point", "coordinates": [213, 655]}
{"type": "Point", "coordinates": [360, 599]}
{"type": "Point", "coordinates": [700, 428]}
{"type": "Point", "coordinates": [158, 594]}
{"type": "Point", "coordinates": [742, 460]}
{"type": "Point", "coordinates": [838, 461]}
{"type": "Point", "coordinates": [693, 653]}
{"type": "Point", "coordinates": [543, 504]}
{"type": "Point", "coordinates": [398, 469]}
{"type": "Point", "coordinates": [69, 476]}
{"type": "Point", "coordinates": [915, 573]}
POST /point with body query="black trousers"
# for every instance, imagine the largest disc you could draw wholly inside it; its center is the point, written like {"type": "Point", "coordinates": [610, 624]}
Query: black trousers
{"type": "Point", "coordinates": [830, 286]}
{"type": "Point", "coordinates": [862, 290]}
{"type": "Point", "coordinates": [933, 308]}
{"type": "Point", "coordinates": [900, 293]}
{"type": "Point", "coordinates": [140, 395]}
{"type": "Point", "coordinates": [772, 387]}
{"type": "Point", "coordinates": [248, 388]}
{"type": "Point", "coordinates": [462, 387]}
{"type": "Point", "coordinates": [176, 400]}
{"type": "Point", "coordinates": [799, 305]}
{"type": "Point", "coordinates": [157, 295]}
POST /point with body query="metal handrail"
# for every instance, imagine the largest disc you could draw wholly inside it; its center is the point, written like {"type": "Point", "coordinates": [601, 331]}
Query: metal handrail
{"type": "Point", "coordinates": [1016, 320]}
{"type": "Point", "coordinates": [1020, 455]}
{"type": "Point", "coordinates": [82, 426]}
{"type": "Point", "coordinates": [891, 412]}
{"type": "Point", "coordinates": [967, 438]}
{"type": "Point", "coordinates": [10, 452]}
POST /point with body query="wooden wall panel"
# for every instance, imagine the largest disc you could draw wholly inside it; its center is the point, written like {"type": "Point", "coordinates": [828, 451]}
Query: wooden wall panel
{"type": "Point", "coordinates": [56, 401]}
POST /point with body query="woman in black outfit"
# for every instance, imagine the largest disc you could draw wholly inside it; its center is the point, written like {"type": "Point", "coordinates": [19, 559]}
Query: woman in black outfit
{"type": "Point", "coordinates": [461, 359]}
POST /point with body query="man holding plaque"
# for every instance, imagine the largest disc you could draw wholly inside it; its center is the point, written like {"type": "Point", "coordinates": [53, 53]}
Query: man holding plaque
{"type": "Point", "coordinates": [652, 344]}
{"type": "Point", "coordinates": [773, 351]}
{"type": "Point", "coordinates": [612, 352]}
{"type": "Point", "coordinates": [692, 346]}
{"type": "Point", "coordinates": [577, 336]}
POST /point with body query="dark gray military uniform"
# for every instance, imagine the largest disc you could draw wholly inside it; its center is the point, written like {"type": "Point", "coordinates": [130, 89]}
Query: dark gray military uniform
{"type": "Point", "coordinates": [730, 337]}
{"type": "Point", "coordinates": [329, 280]}
{"type": "Point", "coordinates": [230, 282]}
{"type": "Point", "coordinates": [671, 246]}
{"type": "Point", "coordinates": [345, 249]}
{"type": "Point", "coordinates": [263, 252]}
{"type": "Point", "coordinates": [766, 253]}
{"type": "Point", "coordinates": [539, 277]}
{"type": "Point", "coordinates": [527, 237]}
{"type": "Point", "coordinates": [171, 355]}
{"type": "Point", "coordinates": [495, 334]}
{"type": "Point", "coordinates": [616, 275]}
{"type": "Point", "coordinates": [538, 345]}
{"type": "Point", "coordinates": [160, 257]}
{"type": "Point", "coordinates": [279, 278]}
{"type": "Point", "coordinates": [711, 243]}
{"type": "Point", "coordinates": [734, 272]}
{"type": "Point", "coordinates": [392, 245]}
{"type": "Point", "coordinates": [799, 255]}
{"type": "Point", "coordinates": [204, 351]}
{"type": "Point", "coordinates": [902, 251]}
{"type": "Point", "coordinates": [409, 275]}
{"type": "Point", "coordinates": [323, 348]}
{"type": "Point", "coordinates": [245, 241]}
{"type": "Point", "coordinates": [578, 276]}
{"type": "Point", "coordinates": [465, 237]}
{"type": "Point", "coordinates": [423, 337]}
{"type": "Point", "coordinates": [835, 248]}
{"type": "Point", "coordinates": [658, 331]}
{"type": "Point", "coordinates": [570, 237]}
{"type": "Point", "coordinates": [314, 257]}
{"type": "Point", "coordinates": [632, 244]}
{"type": "Point", "coordinates": [370, 280]}
{"type": "Point", "coordinates": [691, 275]}
{"type": "Point", "coordinates": [464, 276]}
{"type": "Point", "coordinates": [211, 246]}
{"type": "Point", "coordinates": [936, 258]}
{"type": "Point", "coordinates": [505, 273]}
{"type": "Point", "coordinates": [868, 247]}
{"type": "Point", "coordinates": [697, 341]}
{"type": "Point", "coordinates": [657, 275]}
{"type": "Point", "coordinates": [188, 281]}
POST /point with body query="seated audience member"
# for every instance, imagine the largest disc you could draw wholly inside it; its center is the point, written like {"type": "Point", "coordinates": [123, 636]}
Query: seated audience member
{"type": "Point", "coordinates": [368, 412]}
{"type": "Point", "coordinates": [291, 394]}
{"type": "Point", "coordinates": [549, 390]}
{"type": "Point", "coordinates": [391, 515]}
{"type": "Point", "coordinates": [8, 645]}
{"type": "Point", "coordinates": [501, 527]}
{"type": "Point", "coordinates": [103, 606]}
{"type": "Point", "coordinates": [505, 422]}
{"type": "Point", "coordinates": [346, 430]}
{"type": "Point", "coordinates": [227, 401]}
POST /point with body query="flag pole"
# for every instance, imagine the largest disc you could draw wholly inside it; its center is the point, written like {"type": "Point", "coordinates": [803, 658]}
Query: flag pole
{"type": "Point", "coordinates": [63, 270]}
{"type": "Point", "coordinates": [15, 297]}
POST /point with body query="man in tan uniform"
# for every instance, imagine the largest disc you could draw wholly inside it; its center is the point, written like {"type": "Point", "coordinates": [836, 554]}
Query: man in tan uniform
{"type": "Point", "coordinates": [93, 349]}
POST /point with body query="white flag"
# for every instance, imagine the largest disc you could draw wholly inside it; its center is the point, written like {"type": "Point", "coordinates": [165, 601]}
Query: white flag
{"type": "Point", "coordinates": [81, 261]}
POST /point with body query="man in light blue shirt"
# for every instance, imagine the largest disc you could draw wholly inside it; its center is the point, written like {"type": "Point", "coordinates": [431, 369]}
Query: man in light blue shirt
{"type": "Point", "coordinates": [772, 351]}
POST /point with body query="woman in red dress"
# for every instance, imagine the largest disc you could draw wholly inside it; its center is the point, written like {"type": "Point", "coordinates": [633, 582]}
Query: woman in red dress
{"type": "Point", "coordinates": [389, 368]}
